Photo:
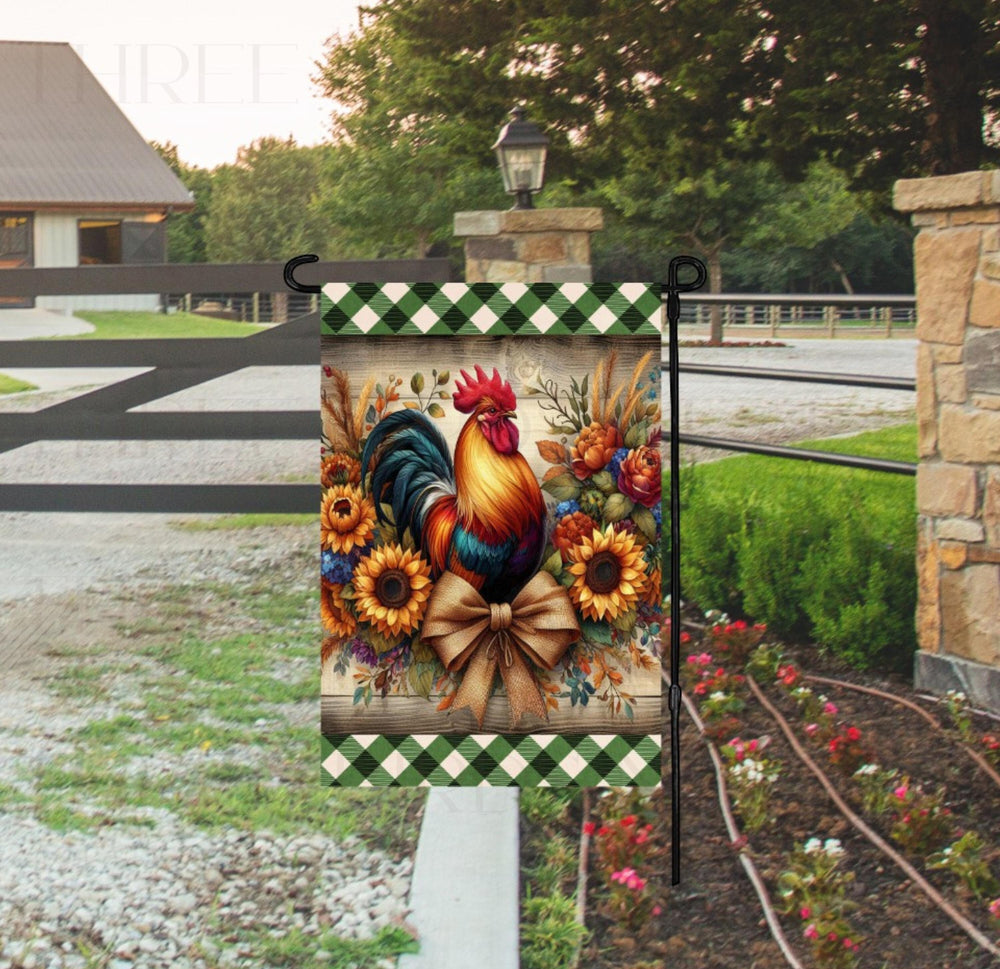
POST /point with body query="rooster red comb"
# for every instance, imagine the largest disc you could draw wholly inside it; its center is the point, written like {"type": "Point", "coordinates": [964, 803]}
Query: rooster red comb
{"type": "Point", "coordinates": [469, 394]}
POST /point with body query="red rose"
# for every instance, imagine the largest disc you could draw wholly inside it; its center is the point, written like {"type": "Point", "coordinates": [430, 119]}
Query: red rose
{"type": "Point", "coordinates": [639, 477]}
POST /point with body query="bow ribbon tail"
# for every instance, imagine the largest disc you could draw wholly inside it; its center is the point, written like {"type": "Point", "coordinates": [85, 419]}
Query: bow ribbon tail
{"type": "Point", "coordinates": [477, 682]}
{"type": "Point", "coordinates": [523, 693]}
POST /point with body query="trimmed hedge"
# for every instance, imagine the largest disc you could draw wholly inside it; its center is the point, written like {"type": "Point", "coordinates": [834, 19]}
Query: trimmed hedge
{"type": "Point", "coordinates": [819, 553]}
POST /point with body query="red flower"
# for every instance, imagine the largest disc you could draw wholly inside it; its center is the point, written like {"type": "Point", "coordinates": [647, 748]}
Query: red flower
{"type": "Point", "coordinates": [589, 827]}
{"type": "Point", "coordinates": [628, 821]}
{"type": "Point", "coordinates": [640, 475]}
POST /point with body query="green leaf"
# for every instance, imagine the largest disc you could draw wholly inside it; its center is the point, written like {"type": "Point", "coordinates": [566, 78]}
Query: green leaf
{"type": "Point", "coordinates": [604, 481]}
{"type": "Point", "coordinates": [443, 378]}
{"type": "Point", "coordinates": [417, 383]}
{"type": "Point", "coordinates": [637, 434]}
{"type": "Point", "coordinates": [644, 521]}
{"type": "Point", "coordinates": [626, 621]}
{"type": "Point", "coordinates": [583, 386]}
{"type": "Point", "coordinates": [564, 487]}
{"type": "Point", "coordinates": [553, 564]}
{"type": "Point", "coordinates": [596, 632]}
{"type": "Point", "coordinates": [435, 410]}
{"type": "Point", "coordinates": [617, 507]}
{"type": "Point", "coordinates": [425, 680]}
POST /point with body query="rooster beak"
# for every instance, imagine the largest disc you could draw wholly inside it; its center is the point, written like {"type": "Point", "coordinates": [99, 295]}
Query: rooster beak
{"type": "Point", "coordinates": [512, 414]}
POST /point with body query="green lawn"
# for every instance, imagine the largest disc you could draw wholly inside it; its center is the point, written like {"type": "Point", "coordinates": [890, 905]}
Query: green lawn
{"type": "Point", "coordinates": [129, 325]}
{"type": "Point", "coordinates": [11, 385]}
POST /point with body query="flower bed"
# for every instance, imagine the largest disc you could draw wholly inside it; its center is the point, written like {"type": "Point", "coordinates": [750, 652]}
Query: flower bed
{"type": "Point", "coordinates": [841, 899]}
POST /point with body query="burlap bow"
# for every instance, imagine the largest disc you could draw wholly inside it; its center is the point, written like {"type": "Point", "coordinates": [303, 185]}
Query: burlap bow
{"type": "Point", "coordinates": [467, 632]}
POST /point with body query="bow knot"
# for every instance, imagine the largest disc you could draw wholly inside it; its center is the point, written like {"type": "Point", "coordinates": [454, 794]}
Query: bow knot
{"type": "Point", "coordinates": [500, 616]}
{"type": "Point", "coordinates": [476, 636]}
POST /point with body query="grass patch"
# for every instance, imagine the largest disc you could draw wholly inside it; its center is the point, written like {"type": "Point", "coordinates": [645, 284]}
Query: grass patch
{"type": "Point", "coordinates": [138, 325]}
{"type": "Point", "coordinates": [211, 728]}
{"type": "Point", "coordinates": [298, 949]}
{"type": "Point", "coordinates": [11, 385]}
{"type": "Point", "coordinates": [229, 523]}
{"type": "Point", "coordinates": [818, 552]}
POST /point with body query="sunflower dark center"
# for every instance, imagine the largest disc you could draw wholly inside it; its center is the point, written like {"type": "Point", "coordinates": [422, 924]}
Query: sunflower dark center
{"type": "Point", "coordinates": [392, 588]}
{"type": "Point", "coordinates": [604, 572]}
{"type": "Point", "coordinates": [342, 507]}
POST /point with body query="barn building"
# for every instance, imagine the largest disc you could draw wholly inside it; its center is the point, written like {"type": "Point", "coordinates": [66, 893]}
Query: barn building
{"type": "Point", "coordinates": [78, 184]}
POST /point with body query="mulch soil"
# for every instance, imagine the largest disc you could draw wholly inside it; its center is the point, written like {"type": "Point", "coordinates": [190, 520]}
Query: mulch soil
{"type": "Point", "coordinates": [713, 919]}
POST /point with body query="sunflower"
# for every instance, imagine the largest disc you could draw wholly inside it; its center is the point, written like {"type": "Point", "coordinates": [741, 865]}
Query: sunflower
{"type": "Point", "coordinates": [391, 588]}
{"type": "Point", "coordinates": [610, 573]}
{"type": "Point", "coordinates": [337, 618]}
{"type": "Point", "coordinates": [347, 518]}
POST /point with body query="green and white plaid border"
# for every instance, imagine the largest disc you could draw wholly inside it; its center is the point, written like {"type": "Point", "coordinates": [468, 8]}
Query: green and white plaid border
{"type": "Point", "coordinates": [490, 309]}
{"type": "Point", "coordinates": [491, 760]}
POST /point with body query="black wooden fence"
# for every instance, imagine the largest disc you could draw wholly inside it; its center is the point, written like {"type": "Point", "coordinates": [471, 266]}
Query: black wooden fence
{"type": "Point", "coordinates": [103, 414]}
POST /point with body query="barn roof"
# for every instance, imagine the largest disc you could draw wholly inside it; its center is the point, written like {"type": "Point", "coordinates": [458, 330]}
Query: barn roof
{"type": "Point", "coordinates": [64, 141]}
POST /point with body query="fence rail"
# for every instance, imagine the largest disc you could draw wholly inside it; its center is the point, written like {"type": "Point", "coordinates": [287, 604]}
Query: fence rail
{"type": "Point", "coordinates": [811, 313]}
{"type": "Point", "coordinates": [179, 364]}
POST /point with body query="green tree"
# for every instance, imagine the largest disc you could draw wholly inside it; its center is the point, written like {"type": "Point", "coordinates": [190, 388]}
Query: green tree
{"type": "Point", "coordinates": [264, 207]}
{"type": "Point", "coordinates": [186, 230]}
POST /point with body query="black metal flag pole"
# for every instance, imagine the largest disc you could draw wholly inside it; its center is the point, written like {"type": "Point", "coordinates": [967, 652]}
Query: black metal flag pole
{"type": "Point", "coordinates": [673, 289]}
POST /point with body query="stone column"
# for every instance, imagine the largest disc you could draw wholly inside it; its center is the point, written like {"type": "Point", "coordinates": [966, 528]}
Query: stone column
{"type": "Point", "coordinates": [528, 245]}
{"type": "Point", "coordinates": [957, 254]}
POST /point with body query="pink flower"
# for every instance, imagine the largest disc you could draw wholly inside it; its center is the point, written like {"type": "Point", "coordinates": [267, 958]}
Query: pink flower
{"type": "Point", "coordinates": [848, 944]}
{"type": "Point", "coordinates": [805, 912]}
{"type": "Point", "coordinates": [636, 883]}
{"type": "Point", "coordinates": [832, 937]}
{"type": "Point", "coordinates": [811, 932]}
{"type": "Point", "coordinates": [657, 910]}
{"type": "Point", "coordinates": [623, 876]}
{"type": "Point", "coordinates": [901, 792]}
{"type": "Point", "coordinates": [811, 728]}
{"type": "Point", "coordinates": [641, 837]}
{"type": "Point", "coordinates": [830, 708]}
{"type": "Point", "coordinates": [995, 908]}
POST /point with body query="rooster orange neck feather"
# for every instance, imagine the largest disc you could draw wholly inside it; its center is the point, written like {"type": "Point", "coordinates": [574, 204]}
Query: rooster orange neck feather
{"type": "Point", "coordinates": [497, 491]}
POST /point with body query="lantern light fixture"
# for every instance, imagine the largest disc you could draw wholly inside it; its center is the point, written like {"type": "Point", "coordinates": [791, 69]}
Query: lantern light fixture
{"type": "Point", "coordinates": [521, 150]}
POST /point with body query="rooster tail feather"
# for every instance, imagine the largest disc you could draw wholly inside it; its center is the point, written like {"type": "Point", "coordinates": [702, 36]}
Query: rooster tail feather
{"type": "Point", "coordinates": [412, 468]}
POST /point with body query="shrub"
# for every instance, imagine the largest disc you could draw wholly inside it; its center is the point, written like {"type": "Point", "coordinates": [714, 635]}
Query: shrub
{"type": "Point", "coordinates": [815, 552]}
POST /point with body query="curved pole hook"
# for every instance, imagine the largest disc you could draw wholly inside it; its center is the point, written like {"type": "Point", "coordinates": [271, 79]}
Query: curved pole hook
{"type": "Point", "coordinates": [290, 268]}
{"type": "Point", "coordinates": [675, 287]}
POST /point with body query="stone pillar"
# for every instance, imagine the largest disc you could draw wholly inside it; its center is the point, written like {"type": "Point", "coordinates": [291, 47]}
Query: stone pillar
{"type": "Point", "coordinates": [528, 245]}
{"type": "Point", "coordinates": [957, 254]}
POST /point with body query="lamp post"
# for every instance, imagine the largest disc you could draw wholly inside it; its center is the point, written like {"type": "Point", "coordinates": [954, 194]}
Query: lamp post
{"type": "Point", "coordinates": [521, 150]}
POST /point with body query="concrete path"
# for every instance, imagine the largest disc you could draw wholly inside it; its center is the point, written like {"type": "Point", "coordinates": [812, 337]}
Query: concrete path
{"type": "Point", "coordinates": [465, 891]}
{"type": "Point", "coordinates": [33, 323]}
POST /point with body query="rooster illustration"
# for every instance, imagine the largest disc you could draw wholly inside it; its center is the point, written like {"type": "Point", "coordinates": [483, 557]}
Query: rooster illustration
{"type": "Point", "coordinates": [481, 517]}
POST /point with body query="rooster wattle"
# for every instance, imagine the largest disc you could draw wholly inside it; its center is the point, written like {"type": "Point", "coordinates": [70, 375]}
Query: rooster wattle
{"type": "Point", "coordinates": [481, 516]}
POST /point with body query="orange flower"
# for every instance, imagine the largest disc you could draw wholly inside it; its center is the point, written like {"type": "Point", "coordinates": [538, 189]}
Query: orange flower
{"type": "Point", "coordinates": [338, 469]}
{"type": "Point", "coordinates": [570, 530]}
{"type": "Point", "coordinates": [654, 588]}
{"type": "Point", "coordinates": [347, 518]}
{"type": "Point", "coordinates": [333, 611]}
{"type": "Point", "coordinates": [391, 589]}
{"type": "Point", "coordinates": [594, 448]}
{"type": "Point", "coordinates": [610, 574]}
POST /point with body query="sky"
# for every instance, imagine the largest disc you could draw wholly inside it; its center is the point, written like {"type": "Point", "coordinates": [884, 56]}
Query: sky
{"type": "Point", "coordinates": [208, 76]}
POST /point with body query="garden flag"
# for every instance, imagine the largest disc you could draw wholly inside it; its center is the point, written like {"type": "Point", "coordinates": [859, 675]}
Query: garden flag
{"type": "Point", "coordinates": [490, 528]}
